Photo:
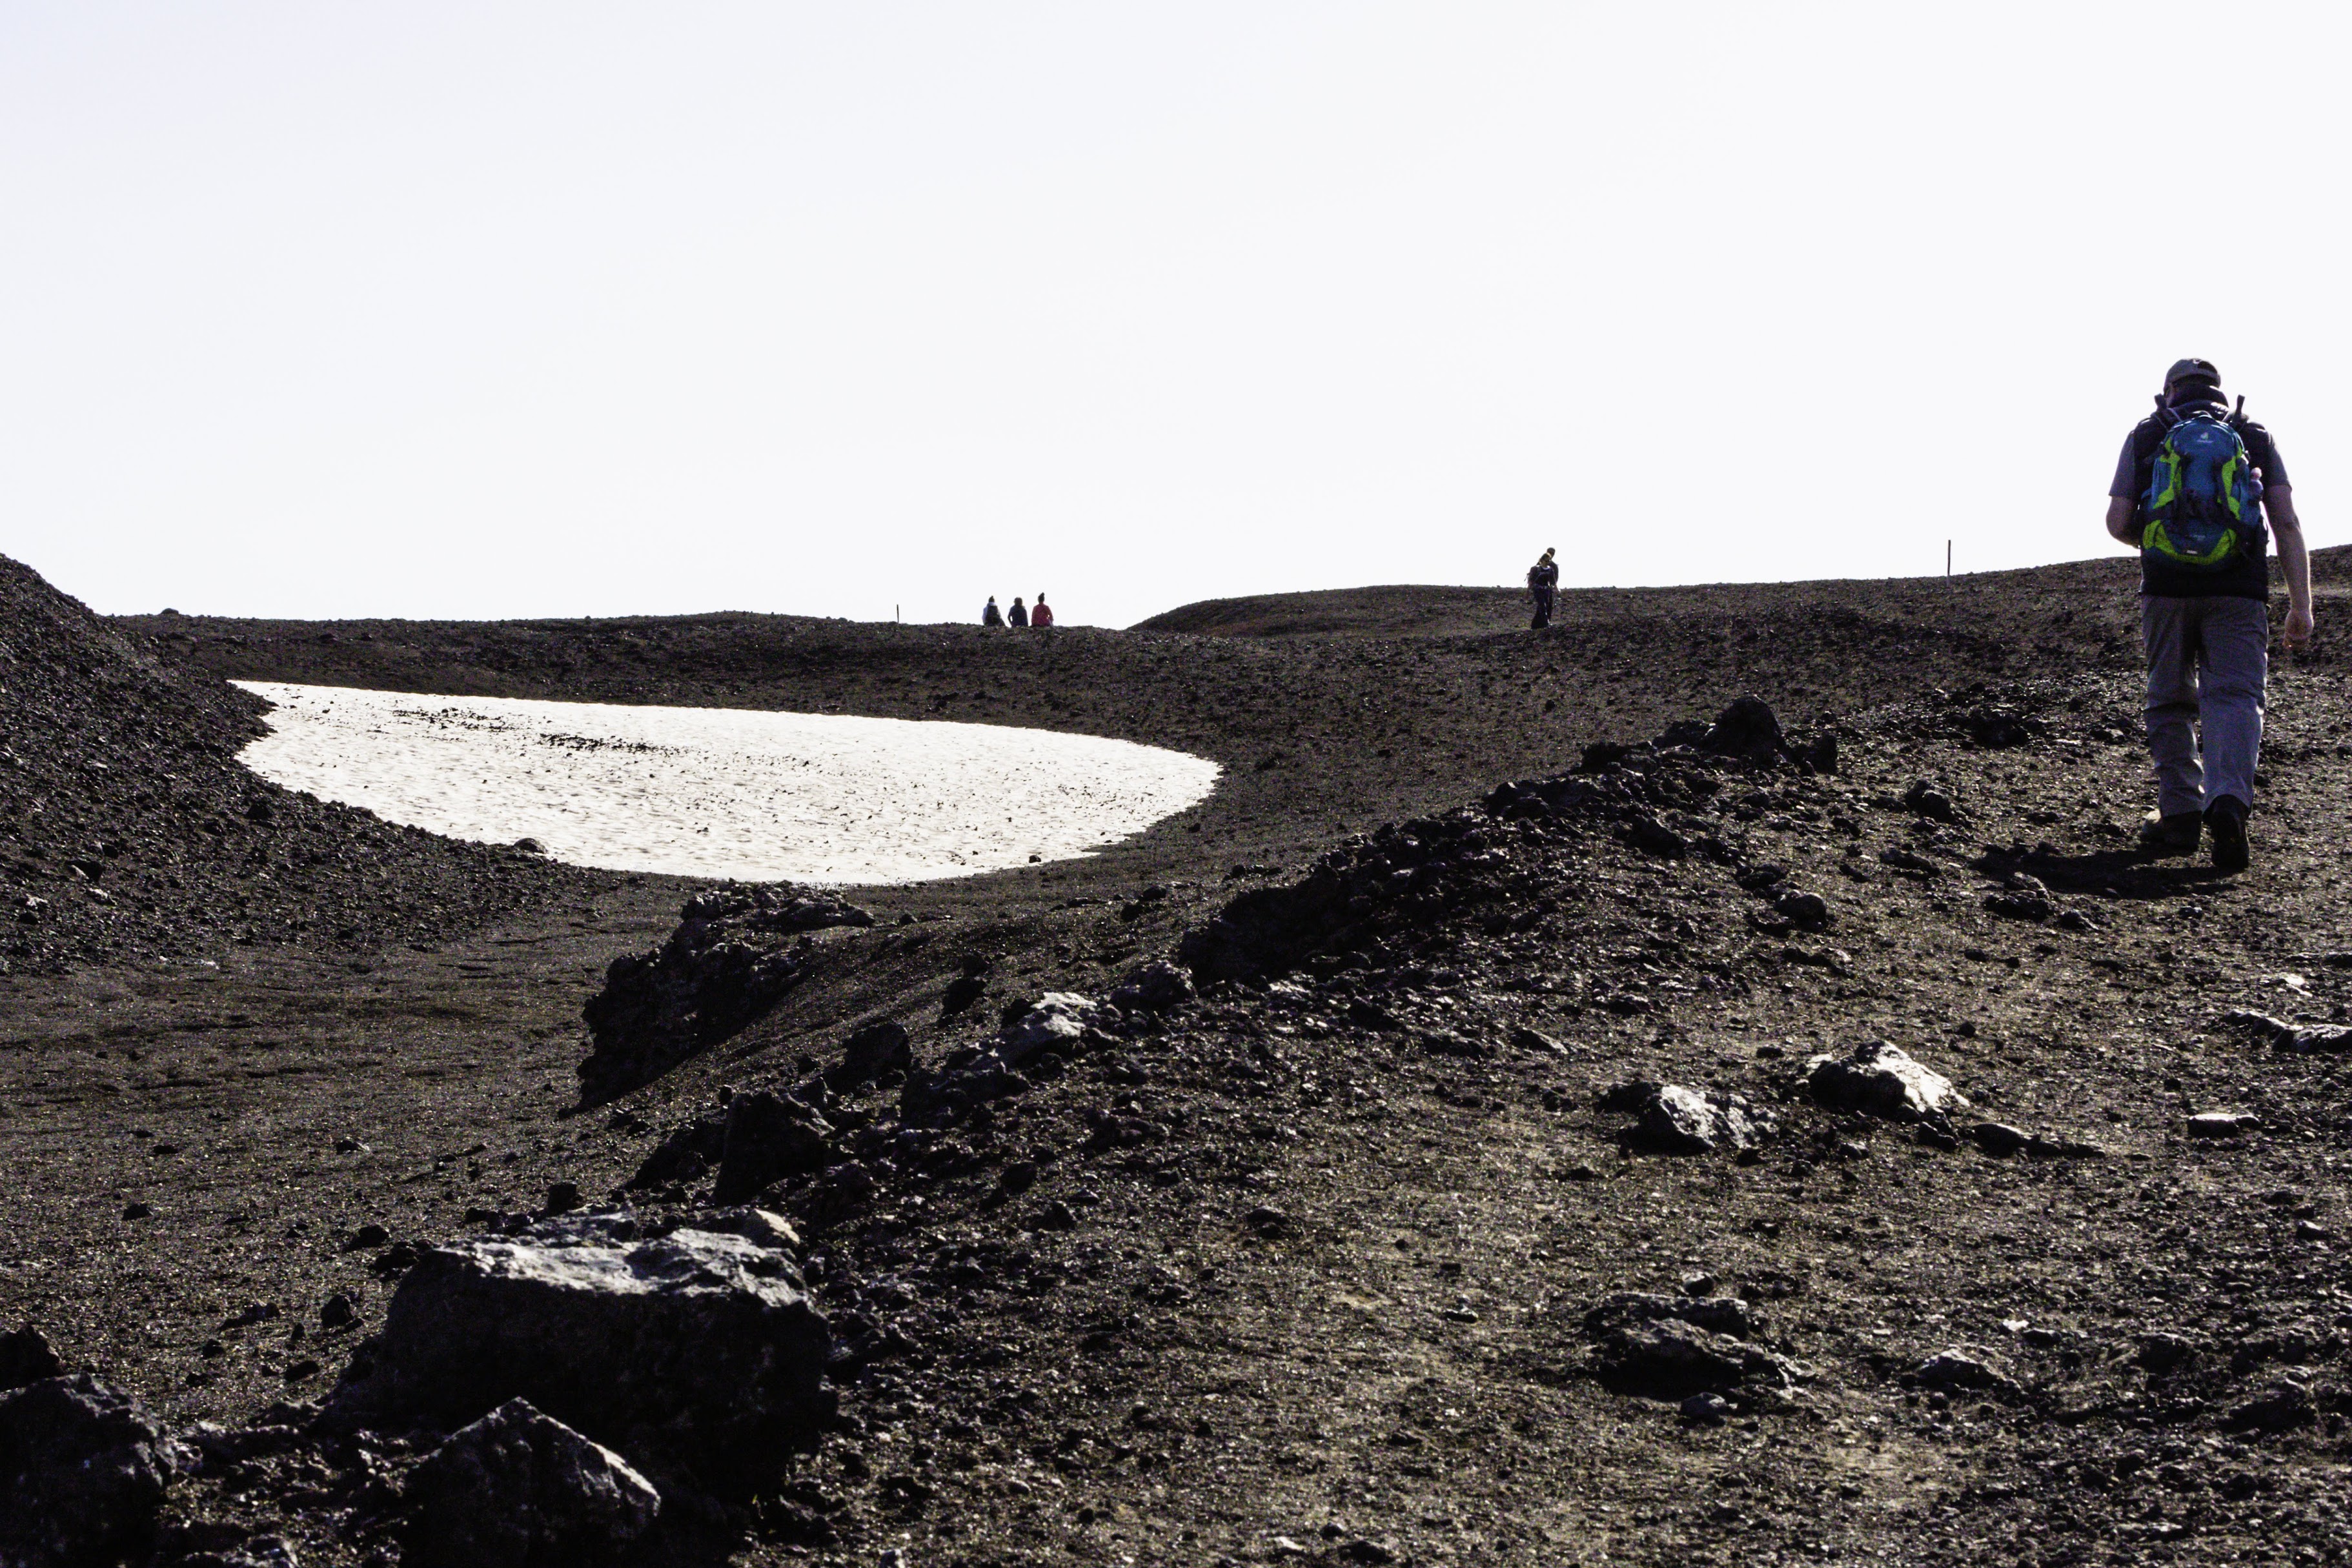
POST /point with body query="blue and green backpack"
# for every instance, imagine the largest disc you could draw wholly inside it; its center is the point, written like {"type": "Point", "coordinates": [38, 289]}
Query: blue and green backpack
{"type": "Point", "coordinates": [2203, 509]}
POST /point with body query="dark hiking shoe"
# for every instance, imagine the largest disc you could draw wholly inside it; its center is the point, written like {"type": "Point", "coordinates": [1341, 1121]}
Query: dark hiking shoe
{"type": "Point", "coordinates": [2174, 835]}
{"type": "Point", "coordinates": [2227, 818]}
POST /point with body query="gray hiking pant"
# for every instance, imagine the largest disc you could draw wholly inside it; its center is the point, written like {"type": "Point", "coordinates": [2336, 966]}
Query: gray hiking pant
{"type": "Point", "coordinates": [2207, 660]}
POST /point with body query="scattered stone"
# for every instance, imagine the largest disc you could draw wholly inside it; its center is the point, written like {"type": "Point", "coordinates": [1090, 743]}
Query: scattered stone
{"type": "Point", "coordinates": [1809, 910]}
{"type": "Point", "coordinates": [562, 1197]}
{"type": "Point", "coordinates": [2039, 1147]}
{"type": "Point", "coordinates": [731, 960]}
{"type": "Point", "coordinates": [25, 1357]}
{"type": "Point", "coordinates": [1706, 1409]}
{"type": "Point", "coordinates": [1268, 1221]}
{"type": "Point", "coordinates": [873, 1052]}
{"type": "Point", "coordinates": [138, 1211]}
{"type": "Point", "coordinates": [701, 1348]}
{"type": "Point", "coordinates": [768, 1136]}
{"type": "Point", "coordinates": [2224, 1123]}
{"type": "Point", "coordinates": [1953, 1369]}
{"type": "Point", "coordinates": [1667, 1358]}
{"type": "Point", "coordinates": [2282, 1409]}
{"type": "Point", "coordinates": [1880, 1079]}
{"type": "Point", "coordinates": [1651, 836]}
{"type": "Point", "coordinates": [1749, 730]}
{"type": "Point", "coordinates": [1536, 1040]}
{"type": "Point", "coordinates": [1929, 802]}
{"type": "Point", "coordinates": [1676, 1120]}
{"type": "Point", "coordinates": [2286, 1036]}
{"type": "Point", "coordinates": [518, 1489]}
{"type": "Point", "coordinates": [1997, 1139]}
{"type": "Point", "coordinates": [366, 1237]}
{"type": "Point", "coordinates": [1156, 988]}
{"type": "Point", "coordinates": [83, 1470]}
{"type": "Point", "coordinates": [1057, 1018]}
{"type": "Point", "coordinates": [756, 1225]}
{"type": "Point", "coordinates": [691, 1153]}
{"type": "Point", "coordinates": [1716, 1314]}
{"type": "Point", "coordinates": [2162, 1352]}
{"type": "Point", "coordinates": [338, 1313]}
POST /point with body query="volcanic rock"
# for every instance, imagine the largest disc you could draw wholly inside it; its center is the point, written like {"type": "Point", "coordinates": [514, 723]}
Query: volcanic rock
{"type": "Point", "coordinates": [1880, 1079]}
{"type": "Point", "coordinates": [518, 1489]}
{"type": "Point", "coordinates": [696, 1349]}
{"type": "Point", "coordinates": [1952, 1369]}
{"type": "Point", "coordinates": [1057, 1018]}
{"type": "Point", "coordinates": [2302, 1037]}
{"type": "Point", "coordinates": [2223, 1124]}
{"type": "Point", "coordinates": [83, 1470]}
{"type": "Point", "coordinates": [1679, 1121]}
{"type": "Point", "coordinates": [768, 1136]}
{"type": "Point", "coordinates": [1669, 1356]}
{"type": "Point", "coordinates": [1154, 987]}
{"type": "Point", "coordinates": [25, 1357]}
{"type": "Point", "coordinates": [879, 1048]}
{"type": "Point", "coordinates": [727, 964]}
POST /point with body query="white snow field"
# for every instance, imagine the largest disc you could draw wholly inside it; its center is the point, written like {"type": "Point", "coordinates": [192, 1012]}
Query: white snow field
{"type": "Point", "coordinates": [722, 792]}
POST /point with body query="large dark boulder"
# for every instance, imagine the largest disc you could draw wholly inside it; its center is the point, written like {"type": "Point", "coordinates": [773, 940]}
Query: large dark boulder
{"type": "Point", "coordinates": [692, 1350]}
{"type": "Point", "coordinates": [83, 1470]}
{"type": "Point", "coordinates": [25, 1357]}
{"type": "Point", "coordinates": [520, 1490]}
{"type": "Point", "coordinates": [872, 1051]}
{"type": "Point", "coordinates": [735, 954]}
{"type": "Point", "coordinates": [769, 1136]}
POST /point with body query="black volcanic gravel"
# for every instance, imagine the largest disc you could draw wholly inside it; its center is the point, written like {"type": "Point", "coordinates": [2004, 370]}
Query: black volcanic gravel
{"type": "Point", "coordinates": [130, 832]}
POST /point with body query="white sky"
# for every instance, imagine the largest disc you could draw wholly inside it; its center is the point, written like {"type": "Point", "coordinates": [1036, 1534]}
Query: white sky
{"type": "Point", "coordinates": [517, 310]}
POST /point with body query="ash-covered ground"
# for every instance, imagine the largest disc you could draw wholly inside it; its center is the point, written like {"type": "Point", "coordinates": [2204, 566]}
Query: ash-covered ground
{"type": "Point", "coordinates": [1417, 1153]}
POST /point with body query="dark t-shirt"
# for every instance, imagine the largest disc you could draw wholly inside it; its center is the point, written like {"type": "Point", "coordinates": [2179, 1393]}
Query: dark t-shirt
{"type": "Point", "coordinates": [2249, 577]}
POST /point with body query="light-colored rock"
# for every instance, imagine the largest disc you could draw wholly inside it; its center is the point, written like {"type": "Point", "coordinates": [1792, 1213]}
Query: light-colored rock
{"type": "Point", "coordinates": [694, 1348]}
{"type": "Point", "coordinates": [1058, 1017]}
{"type": "Point", "coordinates": [1881, 1078]}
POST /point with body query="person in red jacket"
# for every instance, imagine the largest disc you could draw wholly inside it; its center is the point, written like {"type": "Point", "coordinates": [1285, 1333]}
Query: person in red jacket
{"type": "Point", "coordinates": [1042, 615]}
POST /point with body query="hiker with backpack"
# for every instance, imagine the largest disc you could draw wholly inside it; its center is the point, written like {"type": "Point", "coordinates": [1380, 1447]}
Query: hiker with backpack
{"type": "Point", "coordinates": [1543, 586]}
{"type": "Point", "coordinates": [2190, 491]}
{"type": "Point", "coordinates": [992, 615]}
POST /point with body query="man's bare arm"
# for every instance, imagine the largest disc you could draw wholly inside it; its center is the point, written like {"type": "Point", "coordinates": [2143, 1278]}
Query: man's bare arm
{"type": "Point", "coordinates": [2279, 502]}
{"type": "Point", "coordinates": [2120, 510]}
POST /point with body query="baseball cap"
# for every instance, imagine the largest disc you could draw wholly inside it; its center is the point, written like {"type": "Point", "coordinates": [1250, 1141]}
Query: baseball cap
{"type": "Point", "coordinates": [2192, 369]}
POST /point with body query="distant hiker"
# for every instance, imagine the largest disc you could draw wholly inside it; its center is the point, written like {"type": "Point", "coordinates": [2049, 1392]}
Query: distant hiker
{"type": "Point", "coordinates": [2189, 492]}
{"type": "Point", "coordinates": [1543, 585]}
{"type": "Point", "coordinates": [991, 616]}
{"type": "Point", "coordinates": [1018, 615]}
{"type": "Point", "coordinates": [1042, 615]}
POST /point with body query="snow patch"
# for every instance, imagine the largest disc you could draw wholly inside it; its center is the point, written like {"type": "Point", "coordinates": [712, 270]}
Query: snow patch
{"type": "Point", "coordinates": [722, 792]}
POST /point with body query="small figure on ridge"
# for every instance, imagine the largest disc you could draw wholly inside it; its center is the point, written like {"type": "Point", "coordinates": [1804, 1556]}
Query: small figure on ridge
{"type": "Point", "coordinates": [991, 616]}
{"type": "Point", "coordinates": [1543, 583]}
{"type": "Point", "coordinates": [1019, 614]}
{"type": "Point", "coordinates": [1042, 615]}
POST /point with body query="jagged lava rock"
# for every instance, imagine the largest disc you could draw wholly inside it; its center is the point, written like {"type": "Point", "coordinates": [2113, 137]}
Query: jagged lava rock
{"type": "Point", "coordinates": [694, 1348]}
{"type": "Point", "coordinates": [1676, 1120]}
{"type": "Point", "coordinates": [1153, 987]}
{"type": "Point", "coordinates": [1881, 1078]}
{"type": "Point", "coordinates": [518, 1488]}
{"type": "Point", "coordinates": [731, 960]}
{"type": "Point", "coordinates": [25, 1357]}
{"type": "Point", "coordinates": [769, 1136]}
{"type": "Point", "coordinates": [83, 1470]}
{"type": "Point", "coordinates": [879, 1048]}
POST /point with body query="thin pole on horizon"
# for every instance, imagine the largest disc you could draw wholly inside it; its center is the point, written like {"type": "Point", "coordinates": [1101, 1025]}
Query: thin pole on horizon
{"type": "Point", "coordinates": [1948, 560]}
